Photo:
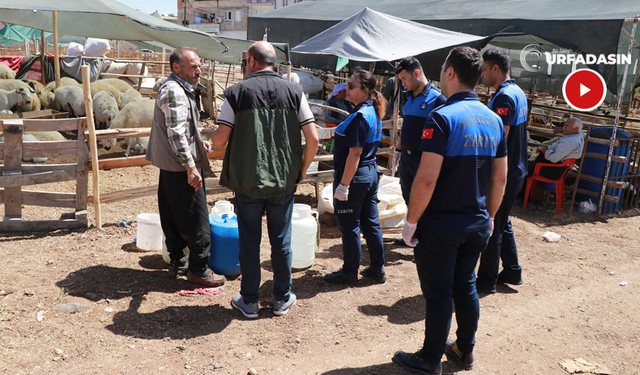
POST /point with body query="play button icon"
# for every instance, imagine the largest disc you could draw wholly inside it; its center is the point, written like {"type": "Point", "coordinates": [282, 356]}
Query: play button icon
{"type": "Point", "coordinates": [584, 89]}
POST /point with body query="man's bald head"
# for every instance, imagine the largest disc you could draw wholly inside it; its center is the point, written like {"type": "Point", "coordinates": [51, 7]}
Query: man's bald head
{"type": "Point", "coordinates": [572, 126]}
{"type": "Point", "coordinates": [263, 53]}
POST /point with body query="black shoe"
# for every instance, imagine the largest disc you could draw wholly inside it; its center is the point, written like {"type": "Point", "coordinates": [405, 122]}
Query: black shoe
{"type": "Point", "coordinates": [378, 277]}
{"type": "Point", "coordinates": [340, 278]}
{"type": "Point", "coordinates": [414, 363]}
{"type": "Point", "coordinates": [464, 360]}
{"type": "Point", "coordinates": [485, 288]}
{"type": "Point", "coordinates": [174, 271]}
{"type": "Point", "coordinates": [507, 277]}
{"type": "Point", "coordinates": [399, 242]}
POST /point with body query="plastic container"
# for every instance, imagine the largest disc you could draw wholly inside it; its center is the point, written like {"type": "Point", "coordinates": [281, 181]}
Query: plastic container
{"type": "Point", "coordinates": [595, 167]}
{"type": "Point", "coordinates": [304, 231]}
{"type": "Point", "coordinates": [165, 251]}
{"type": "Point", "coordinates": [149, 234]}
{"type": "Point", "coordinates": [224, 240]}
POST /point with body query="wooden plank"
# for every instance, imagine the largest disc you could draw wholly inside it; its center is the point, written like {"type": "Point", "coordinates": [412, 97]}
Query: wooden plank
{"type": "Point", "coordinates": [590, 193]}
{"type": "Point", "coordinates": [39, 168]}
{"type": "Point", "coordinates": [122, 133]}
{"type": "Point", "coordinates": [138, 76]}
{"type": "Point", "coordinates": [15, 181]}
{"type": "Point", "coordinates": [48, 199]}
{"type": "Point", "coordinates": [42, 225]}
{"type": "Point", "coordinates": [62, 124]}
{"type": "Point", "coordinates": [93, 143]}
{"type": "Point", "coordinates": [58, 149]}
{"type": "Point", "coordinates": [615, 158]}
{"type": "Point", "coordinates": [597, 180]}
{"type": "Point", "coordinates": [2, 150]}
{"type": "Point", "coordinates": [122, 195]}
{"type": "Point", "coordinates": [140, 160]}
{"type": "Point", "coordinates": [13, 130]}
{"type": "Point", "coordinates": [82, 175]}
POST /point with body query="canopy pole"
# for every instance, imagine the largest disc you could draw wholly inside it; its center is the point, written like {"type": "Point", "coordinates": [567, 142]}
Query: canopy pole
{"type": "Point", "coordinates": [289, 71]}
{"type": "Point", "coordinates": [396, 107]}
{"type": "Point", "coordinates": [612, 141]}
{"type": "Point", "coordinates": [35, 44]}
{"type": "Point", "coordinates": [93, 144]}
{"type": "Point", "coordinates": [43, 52]}
{"type": "Point", "coordinates": [535, 87]}
{"type": "Point", "coordinates": [164, 58]}
{"type": "Point", "coordinates": [56, 53]}
{"type": "Point", "coordinates": [26, 47]}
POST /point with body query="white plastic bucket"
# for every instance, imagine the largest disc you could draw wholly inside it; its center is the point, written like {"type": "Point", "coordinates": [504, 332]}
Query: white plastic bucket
{"type": "Point", "coordinates": [304, 229]}
{"type": "Point", "coordinates": [165, 251]}
{"type": "Point", "coordinates": [149, 235]}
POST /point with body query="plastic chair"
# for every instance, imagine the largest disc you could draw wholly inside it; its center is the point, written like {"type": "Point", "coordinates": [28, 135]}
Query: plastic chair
{"type": "Point", "coordinates": [533, 180]}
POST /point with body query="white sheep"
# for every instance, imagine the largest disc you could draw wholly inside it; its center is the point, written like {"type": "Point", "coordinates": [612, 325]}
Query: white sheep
{"type": "Point", "coordinates": [6, 72]}
{"type": "Point", "coordinates": [47, 98]}
{"type": "Point", "coordinates": [117, 83]}
{"type": "Point", "coordinates": [130, 96]}
{"type": "Point", "coordinates": [64, 81]}
{"type": "Point", "coordinates": [158, 84]}
{"type": "Point", "coordinates": [105, 108]}
{"type": "Point", "coordinates": [133, 115]}
{"type": "Point", "coordinates": [106, 86]}
{"type": "Point", "coordinates": [70, 99]}
{"type": "Point", "coordinates": [8, 99]}
{"type": "Point", "coordinates": [6, 112]}
{"type": "Point", "coordinates": [12, 84]}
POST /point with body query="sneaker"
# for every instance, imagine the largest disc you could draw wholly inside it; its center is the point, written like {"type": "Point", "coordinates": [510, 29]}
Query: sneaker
{"type": "Point", "coordinates": [340, 278]}
{"type": "Point", "coordinates": [415, 364]}
{"type": "Point", "coordinates": [281, 307]}
{"type": "Point", "coordinates": [484, 288]}
{"type": "Point", "coordinates": [399, 242]}
{"type": "Point", "coordinates": [378, 277]}
{"type": "Point", "coordinates": [175, 271]}
{"type": "Point", "coordinates": [210, 280]}
{"type": "Point", "coordinates": [464, 360]}
{"type": "Point", "coordinates": [248, 309]}
{"type": "Point", "coordinates": [513, 278]}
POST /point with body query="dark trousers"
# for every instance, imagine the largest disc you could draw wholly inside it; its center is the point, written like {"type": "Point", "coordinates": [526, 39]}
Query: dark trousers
{"type": "Point", "coordinates": [502, 244]}
{"type": "Point", "coordinates": [360, 212]}
{"type": "Point", "coordinates": [407, 170]}
{"type": "Point", "coordinates": [279, 211]}
{"type": "Point", "coordinates": [184, 216]}
{"type": "Point", "coordinates": [553, 173]}
{"type": "Point", "coordinates": [446, 262]}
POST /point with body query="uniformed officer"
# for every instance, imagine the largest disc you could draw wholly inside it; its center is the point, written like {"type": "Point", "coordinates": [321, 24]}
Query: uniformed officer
{"type": "Point", "coordinates": [510, 103]}
{"type": "Point", "coordinates": [455, 194]}
{"type": "Point", "coordinates": [356, 179]}
{"type": "Point", "coordinates": [422, 98]}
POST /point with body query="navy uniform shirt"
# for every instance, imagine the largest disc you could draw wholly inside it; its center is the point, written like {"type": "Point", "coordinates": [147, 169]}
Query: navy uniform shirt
{"type": "Point", "coordinates": [416, 112]}
{"type": "Point", "coordinates": [362, 128]}
{"type": "Point", "coordinates": [510, 103]}
{"type": "Point", "coordinates": [469, 136]}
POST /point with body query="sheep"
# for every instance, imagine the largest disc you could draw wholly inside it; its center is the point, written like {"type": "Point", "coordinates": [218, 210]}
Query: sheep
{"type": "Point", "coordinates": [8, 99]}
{"type": "Point", "coordinates": [70, 99]}
{"type": "Point", "coordinates": [29, 138]}
{"type": "Point", "coordinates": [47, 98]}
{"type": "Point", "coordinates": [64, 81]}
{"type": "Point", "coordinates": [130, 96]}
{"type": "Point", "coordinates": [106, 86]}
{"type": "Point", "coordinates": [12, 84]}
{"type": "Point", "coordinates": [158, 84]}
{"type": "Point", "coordinates": [117, 83]}
{"type": "Point", "coordinates": [6, 112]}
{"type": "Point", "coordinates": [133, 115]}
{"type": "Point", "coordinates": [105, 108]}
{"type": "Point", "coordinates": [6, 72]}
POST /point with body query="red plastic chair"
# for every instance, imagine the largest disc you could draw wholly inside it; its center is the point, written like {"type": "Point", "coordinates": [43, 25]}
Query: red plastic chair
{"type": "Point", "coordinates": [532, 181]}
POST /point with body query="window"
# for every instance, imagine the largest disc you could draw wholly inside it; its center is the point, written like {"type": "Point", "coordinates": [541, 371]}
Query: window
{"type": "Point", "coordinates": [238, 16]}
{"type": "Point", "coordinates": [227, 16]}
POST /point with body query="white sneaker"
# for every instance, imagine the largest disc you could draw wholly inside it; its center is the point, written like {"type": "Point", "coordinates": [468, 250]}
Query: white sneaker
{"type": "Point", "coordinates": [281, 307]}
{"type": "Point", "coordinates": [248, 309]}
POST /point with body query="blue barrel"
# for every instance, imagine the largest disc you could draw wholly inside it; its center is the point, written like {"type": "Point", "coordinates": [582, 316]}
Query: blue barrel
{"type": "Point", "coordinates": [595, 167]}
{"type": "Point", "coordinates": [224, 245]}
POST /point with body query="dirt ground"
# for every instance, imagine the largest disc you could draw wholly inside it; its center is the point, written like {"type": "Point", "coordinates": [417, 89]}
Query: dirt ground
{"type": "Point", "coordinates": [572, 303]}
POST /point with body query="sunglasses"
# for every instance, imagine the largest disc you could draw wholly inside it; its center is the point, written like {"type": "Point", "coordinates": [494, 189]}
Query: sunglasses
{"type": "Point", "coordinates": [351, 86]}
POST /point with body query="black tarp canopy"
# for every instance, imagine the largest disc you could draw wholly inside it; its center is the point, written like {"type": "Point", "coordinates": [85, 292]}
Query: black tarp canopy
{"type": "Point", "coordinates": [584, 26]}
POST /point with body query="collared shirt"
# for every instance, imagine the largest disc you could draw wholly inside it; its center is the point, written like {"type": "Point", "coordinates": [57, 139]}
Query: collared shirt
{"type": "Point", "coordinates": [469, 136]}
{"type": "Point", "coordinates": [510, 103]}
{"type": "Point", "coordinates": [332, 117]}
{"type": "Point", "coordinates": [416, 112]}
{"type": "Point", "coordinates": [173, 102]}
{"type": "Point", "coordinates": [363, 129]}
{"type": "Point", "coordinates": [567, 147]}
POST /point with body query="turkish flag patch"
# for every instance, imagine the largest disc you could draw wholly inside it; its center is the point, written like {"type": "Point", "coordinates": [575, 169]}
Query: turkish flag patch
{"type": "Point", "coordinates": [502, 111]}
{"type": "Point", "coordinates": [427, 133]}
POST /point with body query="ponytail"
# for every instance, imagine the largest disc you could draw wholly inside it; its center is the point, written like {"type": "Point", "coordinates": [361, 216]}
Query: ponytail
{"type": "Point", "coordinates": [368, 81]}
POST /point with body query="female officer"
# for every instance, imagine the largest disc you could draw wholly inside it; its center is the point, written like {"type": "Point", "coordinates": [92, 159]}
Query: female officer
{"type": "Point", "coordinates": [355, 183]}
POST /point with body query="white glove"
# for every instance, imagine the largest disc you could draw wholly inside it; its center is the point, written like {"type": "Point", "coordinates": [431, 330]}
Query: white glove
{"type": "Point", "coordinates": [395, 160]}
{"type": "Point", "coordinates": [408, 231]}
{"type": "Point", "coordinates": [491, 230]}
{"type": "Point", "coordinates": [342, 193]}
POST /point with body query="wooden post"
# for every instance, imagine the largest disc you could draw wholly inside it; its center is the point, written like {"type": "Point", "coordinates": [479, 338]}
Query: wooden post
{"type": "Point", "coordinates": [56, 53]}
{"type": "Point", "coordinates": [214, 91]}
{"type": "Point", "coordinates": [26, 47]}
{"type": "Point", "coordinates": [13, 130]}
{"type": "Point", "coordinates": [396, 108]}
{"type": "Point", "coordinates": [289, 71]}
{"type": "Point", "coordinates": [117, 49]}
{"type": "Point", "coordinates": [93, 144]}
{"type": "Point", "coordinates": [144, 64]}
{"type": "Point", "coordinates": [35, 44]}
{"type": "Point", "coordinates": [82, 181]}
{"type": "Point", "coordinates": [43, 52]}
{"type": "Point", "coordinates": [164, 53]}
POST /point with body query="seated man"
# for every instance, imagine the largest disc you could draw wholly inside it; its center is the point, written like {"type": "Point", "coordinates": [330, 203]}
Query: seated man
{"type": "Point", "coordinates": [569, 146]}
{"type": "Point", "coordinates": [338, 99]}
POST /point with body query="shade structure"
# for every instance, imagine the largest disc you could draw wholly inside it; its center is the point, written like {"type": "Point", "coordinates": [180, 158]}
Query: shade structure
{"type": "Point", "coordinates": [109, 19]}
{"type": "Point", "coordinates": [373, 36]}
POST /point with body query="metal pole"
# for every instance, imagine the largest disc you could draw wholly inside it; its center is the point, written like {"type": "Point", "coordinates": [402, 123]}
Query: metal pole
{"type": "Point", "coordinates": [612, 141]}
{"type": "Point", "coordinates": [56, 53]}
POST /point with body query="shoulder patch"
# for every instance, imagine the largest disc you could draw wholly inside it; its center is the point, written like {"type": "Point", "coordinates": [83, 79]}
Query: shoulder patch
{"type": "Point", "coordinates": [427, 133]}
{"type": "Point", "coordinates": [502, 111]}
{"type": "Point", "coordinates": [423, 106]}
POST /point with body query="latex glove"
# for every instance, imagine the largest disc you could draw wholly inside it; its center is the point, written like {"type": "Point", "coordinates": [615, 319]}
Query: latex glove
{"type": "Point", "coordinates": [395, 160]}
{"type": "Point", "coordinates": [342, 193]}
{"type": "Point", "coordinates": [491, 230]}
{"type": "Point", "coordinates": [408, 231]}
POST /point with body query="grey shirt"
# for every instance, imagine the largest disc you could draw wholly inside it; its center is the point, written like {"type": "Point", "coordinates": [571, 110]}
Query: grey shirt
{"type": "Point", "coordinates": [567, 147]}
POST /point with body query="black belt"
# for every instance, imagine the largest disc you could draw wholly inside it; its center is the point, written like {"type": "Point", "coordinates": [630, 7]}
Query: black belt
{"type": "Point", "coordinates": [412, 152]}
